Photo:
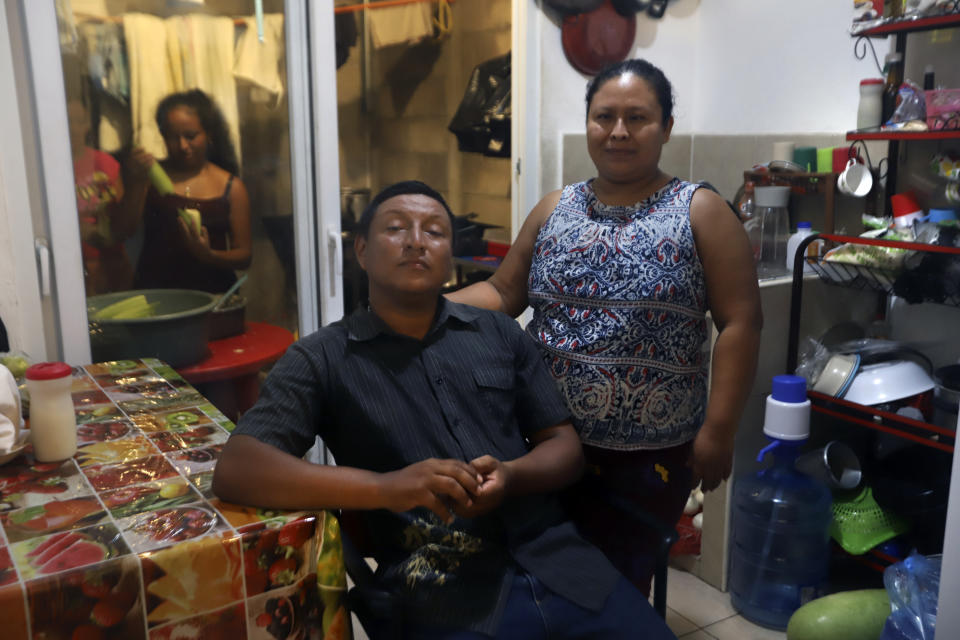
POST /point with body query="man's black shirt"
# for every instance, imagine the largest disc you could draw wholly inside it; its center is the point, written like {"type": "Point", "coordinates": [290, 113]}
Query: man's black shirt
{"type": "Point", "coordinates": [474, 385]}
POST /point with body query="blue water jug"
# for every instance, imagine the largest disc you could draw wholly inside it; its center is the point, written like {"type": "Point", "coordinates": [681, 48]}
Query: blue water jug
{"type": "Point", "coordinates": [780, 541]}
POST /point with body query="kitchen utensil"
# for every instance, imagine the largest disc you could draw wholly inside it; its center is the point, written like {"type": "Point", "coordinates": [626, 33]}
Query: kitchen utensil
{"type": "Point", "coordinates": [176, 333]}
{"type": "Point", "coordinates": [783, 151]}
{"type": "Point", "coordinates": [855, 180]}
{"type": "Point", "coordinates": [840, 157]}
{"type": "Point", "coordinates": [468, 235]}
{"type": "Point", "coordinates": [873, 350]}
{"type": "Point", "coordinates": [16, 449]}
{"type": "Point", "coordinates": [940, 215]}
{"type": "Point", "coordinates": [806, 157]}
{"type": "Point", "coordinates": [629, 7]}
{"type": "Point", "coordinates": [770, 205]}
{"type": "Point", "coordinates": [230, 291]}
{"type": "Point", "coordinates": [913, 483]}
{"type": "Point", "coordinates": [229, 320]}
{"type": "Point", "coordinates": [837, 375]}
{"type": "Point", "coordinates": [946, 396]}
{"type": "Point", "coordinates": [785, 165]}
{"type": "Point", "coordinates": [597, 38]}
{"type": "Point", "coordinates": [573, 6]}
{"type": "Point", "coordinates": [859, 523]}
{"type": "Point", "coordinates": [905, 209]}
{"type": "Point", "coordinates": [885, 382]}
{"type": "Point", "coordinates": [912, 480]}
{"type": "Point", "coordinates": [657, 8]}
{"type": "Point", "coordinates": [824, 159]}
{"type": "Point", "coordinates": [228, 314]}
{"type": "Point", "coordinates": [834, 464]}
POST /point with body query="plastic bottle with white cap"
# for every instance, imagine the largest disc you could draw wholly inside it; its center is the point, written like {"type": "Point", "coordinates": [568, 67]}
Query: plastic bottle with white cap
{"type": "Point", "coordinates": [53, 422]}
{"type": "Point", "coordinates": [804, 229]}
{"type": "Point", "coordinates": [780, 543]}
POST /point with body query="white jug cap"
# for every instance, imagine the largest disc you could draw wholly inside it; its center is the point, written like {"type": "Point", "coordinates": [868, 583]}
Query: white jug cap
{"type": "Point", "coordinates": [771, 196]}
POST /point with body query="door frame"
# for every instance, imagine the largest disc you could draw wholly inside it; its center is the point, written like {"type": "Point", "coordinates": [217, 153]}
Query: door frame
{"type": "Point", "coordinates": [314, 161]}
{"type": "Point", "coordinates": [58, 201]}
{"type": "Point", "coordinates": [24, 310]}
{"type": "Point", "coordinates": [525, 83]}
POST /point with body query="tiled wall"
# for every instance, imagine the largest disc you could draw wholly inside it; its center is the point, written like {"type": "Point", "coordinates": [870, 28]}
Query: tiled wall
{"type": "Point", "coordinates": [721, 161]}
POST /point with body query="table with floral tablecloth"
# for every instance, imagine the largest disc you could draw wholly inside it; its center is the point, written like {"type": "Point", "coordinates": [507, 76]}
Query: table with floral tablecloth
{"type": "Point", "coordinates": [127, 541]}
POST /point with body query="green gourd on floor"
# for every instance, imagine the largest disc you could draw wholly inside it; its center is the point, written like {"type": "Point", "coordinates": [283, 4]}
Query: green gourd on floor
{"type": "Point", "coordinates": [848, 615]}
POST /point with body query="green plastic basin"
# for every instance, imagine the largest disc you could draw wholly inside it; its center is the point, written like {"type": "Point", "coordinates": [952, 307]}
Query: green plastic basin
{"type": "Point", "coordinates": [176, 334]}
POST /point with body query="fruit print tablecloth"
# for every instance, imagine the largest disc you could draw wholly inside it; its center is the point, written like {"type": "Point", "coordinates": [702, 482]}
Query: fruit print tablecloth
{"type": "Point", "coordinates": [127, 541]}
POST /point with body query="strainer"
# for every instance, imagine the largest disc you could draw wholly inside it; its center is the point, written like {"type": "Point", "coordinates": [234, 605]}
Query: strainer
{"type": "Point", "coordinates": [859, 523]}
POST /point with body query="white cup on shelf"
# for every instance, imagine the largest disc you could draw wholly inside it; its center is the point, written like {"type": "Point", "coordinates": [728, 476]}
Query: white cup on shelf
{"type": "Point", "coordinates": [855, 180]}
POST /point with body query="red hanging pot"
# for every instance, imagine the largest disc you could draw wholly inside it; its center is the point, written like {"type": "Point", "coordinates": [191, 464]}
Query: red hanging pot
{"type": "Point", "coordinates": [594, 39]}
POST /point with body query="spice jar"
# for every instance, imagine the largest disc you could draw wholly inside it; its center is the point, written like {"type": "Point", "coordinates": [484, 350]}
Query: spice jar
{"type": "Point", "coordinates": [53, 423]}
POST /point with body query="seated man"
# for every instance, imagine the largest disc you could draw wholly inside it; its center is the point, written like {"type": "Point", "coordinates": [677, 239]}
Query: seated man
{"type": "Point", "coordinates": [449, 435]}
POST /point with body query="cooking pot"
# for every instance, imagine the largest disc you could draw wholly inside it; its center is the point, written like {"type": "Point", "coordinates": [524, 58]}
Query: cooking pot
{"type": "Point", "coordinates": [914, 482]}
{"type": "Point", "coordinates": [176, 333]}
{"type": "Point", "coordinates": [594, 39]}
{"type": "Point", "coordinates": [946, 397]}
{"type": "Point", "coordinates": [573, 6]}
{"type": "Point", "coordinates": [228, 320]}
{"type": "Point", "coordinates": [468, 235]}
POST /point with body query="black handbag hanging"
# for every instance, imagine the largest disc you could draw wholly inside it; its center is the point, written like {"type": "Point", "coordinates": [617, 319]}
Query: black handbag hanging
{"type": "Point", "coordinates": [482, 121]}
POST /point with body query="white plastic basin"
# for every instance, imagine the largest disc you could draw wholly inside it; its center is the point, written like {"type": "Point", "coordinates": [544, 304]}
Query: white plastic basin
{"type": "Point", "coordinates": [888, 381]}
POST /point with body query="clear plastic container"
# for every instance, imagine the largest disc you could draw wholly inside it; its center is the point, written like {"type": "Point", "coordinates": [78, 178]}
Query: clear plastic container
{"type": "Point", "coordinates": [53, 423]}
{"type": "Point", "coordinates": [770, 207]}
{"type": "Point", "coordinates": [780, 532]}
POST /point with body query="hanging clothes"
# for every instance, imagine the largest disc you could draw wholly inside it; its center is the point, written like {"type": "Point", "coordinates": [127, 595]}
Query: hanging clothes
{"type": "Point", "coordinates": [407, 24]}
{"type": "Point", "coordinates": [106, 58]}
{"type": "Point", "coordinates": [206, 53]}
{"type": "Point", "coordinates": [151, 77]}
{"type": "Point", "coordinates": [260, 63]}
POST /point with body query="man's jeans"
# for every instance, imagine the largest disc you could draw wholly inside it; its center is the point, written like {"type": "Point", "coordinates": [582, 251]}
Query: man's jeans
{"type": "Point", "coordinates": [535, 613]}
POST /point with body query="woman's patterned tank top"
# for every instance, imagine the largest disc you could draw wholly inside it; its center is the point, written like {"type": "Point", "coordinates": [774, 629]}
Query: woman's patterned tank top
{"type": "Point", "coordinates": [619, 302]}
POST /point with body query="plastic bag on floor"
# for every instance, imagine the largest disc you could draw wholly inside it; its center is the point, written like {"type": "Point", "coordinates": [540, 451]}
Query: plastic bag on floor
{"type": "Point", "coordinates": [913, 585]}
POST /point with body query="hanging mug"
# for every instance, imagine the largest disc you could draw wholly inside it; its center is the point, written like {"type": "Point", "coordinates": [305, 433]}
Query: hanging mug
{"type": "Point", "coordinates": [855, 180]}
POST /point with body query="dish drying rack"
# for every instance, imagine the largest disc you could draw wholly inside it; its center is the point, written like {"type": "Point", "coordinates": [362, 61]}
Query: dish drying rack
{"type": "Point", "coordinates": [864, 278]}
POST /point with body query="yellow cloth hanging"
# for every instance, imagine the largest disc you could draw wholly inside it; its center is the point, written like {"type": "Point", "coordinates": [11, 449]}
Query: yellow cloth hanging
{"type": "Point", "coordinates": [443, 21]}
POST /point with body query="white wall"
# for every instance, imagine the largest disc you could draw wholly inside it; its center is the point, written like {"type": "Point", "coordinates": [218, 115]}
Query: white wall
{"type": "Point", "coordinates": [771, 67]}
{"type": "Point", "coordinates": [737, 66]}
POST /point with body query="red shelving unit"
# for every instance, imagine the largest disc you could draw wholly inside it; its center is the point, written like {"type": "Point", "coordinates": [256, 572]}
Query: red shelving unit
{"type": "Point", "coordinates": [863, 277]}
{"type": "Point", "coordinates": [910, 26]}
{"type": "Point", "coordinates": [903, 135]}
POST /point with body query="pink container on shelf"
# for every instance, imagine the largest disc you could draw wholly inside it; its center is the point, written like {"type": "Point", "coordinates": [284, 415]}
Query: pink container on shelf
{"type": "Point", "coordinates": [943, 109]}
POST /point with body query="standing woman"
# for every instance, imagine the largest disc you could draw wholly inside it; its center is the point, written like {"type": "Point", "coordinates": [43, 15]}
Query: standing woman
{"type": "Point", "coordinates": [620, 271]}
{"type": "Point", "coordinates": [202, 165]}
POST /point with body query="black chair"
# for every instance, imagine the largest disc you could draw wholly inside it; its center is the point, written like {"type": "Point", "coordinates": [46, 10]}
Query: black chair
{"type": "Point", "coordinates": [379, 611]}
{"type": "Point", "coordinates": [666, 538]}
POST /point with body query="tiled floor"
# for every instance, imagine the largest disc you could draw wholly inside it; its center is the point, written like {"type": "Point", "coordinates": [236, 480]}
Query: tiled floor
{"type": "Point", "coordinates": [695, 611]}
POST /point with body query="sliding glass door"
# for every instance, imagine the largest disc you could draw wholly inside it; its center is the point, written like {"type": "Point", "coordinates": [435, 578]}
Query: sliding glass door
{"type": "Point", "coordinates": [181, 147]}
